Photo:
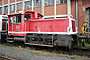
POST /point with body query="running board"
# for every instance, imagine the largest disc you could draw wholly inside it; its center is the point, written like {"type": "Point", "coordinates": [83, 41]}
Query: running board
{"type": "Point", "coordinates": [39, 44]}
{"type": "Point", "coordinates": [10, 41]}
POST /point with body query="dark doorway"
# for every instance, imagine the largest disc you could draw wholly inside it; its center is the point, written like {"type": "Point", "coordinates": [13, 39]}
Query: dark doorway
{"type": "Point", "coordinates": [88, 19]}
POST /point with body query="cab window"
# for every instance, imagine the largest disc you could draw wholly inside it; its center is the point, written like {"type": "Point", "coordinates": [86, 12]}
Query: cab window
{"type": "Point", "coordinates": [17, 19]}
{"type": "Point", "coordinates": [11, 21]}
{"type": "Point", "coordinates": [40, 16]}
{"type": "Point", "coordinates": [27, 17]}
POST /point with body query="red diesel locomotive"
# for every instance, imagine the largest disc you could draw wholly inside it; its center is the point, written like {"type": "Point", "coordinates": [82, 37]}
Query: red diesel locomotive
{"type": "Point", "coordinates": [33, 29]}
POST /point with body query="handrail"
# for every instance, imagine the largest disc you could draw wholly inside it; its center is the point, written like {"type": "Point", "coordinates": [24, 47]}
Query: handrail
{"type": "Point", "coordinates": [57, 16]}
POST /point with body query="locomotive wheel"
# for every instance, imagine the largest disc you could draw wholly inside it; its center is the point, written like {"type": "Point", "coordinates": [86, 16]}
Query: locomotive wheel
{"type": "Point", "coordinates": [55, 43]}
{"type": "Point", "coordinates": [70, 45]}
{"type": "Point", "coordinates": [27, 39]}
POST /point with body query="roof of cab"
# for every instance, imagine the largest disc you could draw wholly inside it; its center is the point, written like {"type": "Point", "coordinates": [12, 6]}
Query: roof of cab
{"type": "Point", "coordinates": [23, 13]}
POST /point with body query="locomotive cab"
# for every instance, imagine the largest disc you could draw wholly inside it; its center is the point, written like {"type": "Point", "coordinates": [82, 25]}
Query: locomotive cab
{"type": "Point", "coordinates": [20, 23]}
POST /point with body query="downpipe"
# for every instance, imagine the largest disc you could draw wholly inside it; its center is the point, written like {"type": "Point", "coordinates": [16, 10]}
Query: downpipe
{"type": "Point", "coordinates": [77, 15]}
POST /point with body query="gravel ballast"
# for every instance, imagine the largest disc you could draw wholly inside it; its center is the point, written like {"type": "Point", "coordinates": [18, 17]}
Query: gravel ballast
{"type": "Point", "coordinates": [27, 55]}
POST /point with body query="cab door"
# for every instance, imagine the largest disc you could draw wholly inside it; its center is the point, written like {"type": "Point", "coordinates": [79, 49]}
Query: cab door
{"type": "Point", "coordinates": [10, 25]}
{"type": "Point", "coordinates": [17, 25]}
{"type": "Point", "coordinates": [27, 17]}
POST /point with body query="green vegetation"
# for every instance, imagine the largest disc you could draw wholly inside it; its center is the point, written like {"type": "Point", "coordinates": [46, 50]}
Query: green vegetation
{"type": "Point", "coordinates": [73, 57]}
{"type": "Point", "coordinates": [88, 41]}
{"type": "Point", "coordinates": [87, 45]}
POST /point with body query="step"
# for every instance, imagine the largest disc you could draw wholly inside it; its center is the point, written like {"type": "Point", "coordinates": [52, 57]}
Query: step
{"type": "Point", "coordinates": [39, 44]}
{"type": "Point", "coordinates": [10, 41]}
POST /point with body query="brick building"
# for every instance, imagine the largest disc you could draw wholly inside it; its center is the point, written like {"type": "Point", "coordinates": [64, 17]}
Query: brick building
{"type": "Point", "coordinates": [79, 9]}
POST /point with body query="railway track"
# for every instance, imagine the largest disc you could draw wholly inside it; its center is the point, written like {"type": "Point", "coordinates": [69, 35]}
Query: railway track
{"type": "Point", "coordinates": [5, 58]}
{"type": "Point", "coordinates": [74, 51]}
{"type": "Point", "coordinates": [81, 51]}
{"type": "Point", "coordinates": [80, 48]}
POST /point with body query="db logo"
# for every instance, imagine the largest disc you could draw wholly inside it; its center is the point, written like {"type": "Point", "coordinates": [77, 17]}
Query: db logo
{"type": "Point", "coordinates": [17, 27]}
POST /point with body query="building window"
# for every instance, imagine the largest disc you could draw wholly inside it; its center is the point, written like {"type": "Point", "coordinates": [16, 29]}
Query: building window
{"type": "Point", "coordinates": [61, 1]}
{"type": "Point", "coordinates": [52, 2]}
{"type": "Point", "coordinates": [5, 9]}
{"type": "Point", "coordinates": [46, 2]}
{"type": "Point", "coordinates": [19, 6]}
{"type": "Point", "coordinates": [88, 19]}
{"type": "Point", "coordinates": [28, 4]}
{"type": "Point", "coordinates": [49, 2]}
{"type": "Point", "coordinates": [12, 7]}
{"type": "Point", "coordinates": [0, 9]}
{"type": "Point", "coordinates": [37, 3]}
{"type": "Point", "coordinates": [11, 21]}
{"type": "Point", "coordinates": [88, 16]}
{"type": "Point", "coordinates": [64, 1]}
{"type": "Point", "coordinates": [57, 1]}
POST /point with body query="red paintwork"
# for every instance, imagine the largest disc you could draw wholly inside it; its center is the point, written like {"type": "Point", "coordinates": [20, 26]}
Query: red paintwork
{"type": "Point", "coordinates": [39, 25]}
{"type": "Point", "coordinates": [73, 26]}
{"type": "Point", "coordinates": [49, 25]}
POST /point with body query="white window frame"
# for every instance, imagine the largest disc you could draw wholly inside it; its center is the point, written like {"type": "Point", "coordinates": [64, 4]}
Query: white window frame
{"type": "Point", "coordinates": [30, 4]}
{"type": "Point", "coordinates": [46, 2]}
{"type": "Point", "coordinates": [50, 2]}
{"type": "Point", "coordinates": [17, 7]}
{"type": "Point", "coordinates": [4, 8]}
{"type": "Point", "coordinates": [60, 2]}
{"type": "Point", "coordinates": [35, 4]}
{"type": "Point", "coordinates": [1, 10]}
{"type": "Point", "coordinates": [11, 7]}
